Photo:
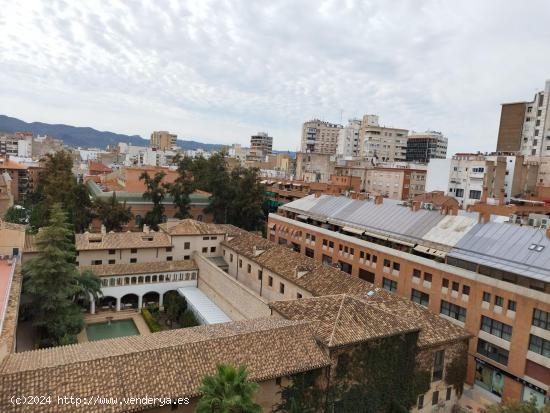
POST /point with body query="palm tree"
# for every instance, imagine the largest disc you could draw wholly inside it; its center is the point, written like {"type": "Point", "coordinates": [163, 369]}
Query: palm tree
{"type": "Point", "coordinates": [88, 286]}
{"type": "Point", "coordinates": [228, 391]}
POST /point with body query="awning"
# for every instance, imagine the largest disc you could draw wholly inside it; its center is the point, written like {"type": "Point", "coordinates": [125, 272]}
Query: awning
{"type": "Point", "coordinates": [304, 217]}
{"type": "Point", "coordinates": [421, 248]}
{"type": "Point", "coordinates": [353, 230]}
{"type": "Point", "coordinates": [372, 234]}
{"type": "Point", "coordinates": [431, 251]}
{"type": "Point", "coordinates": [398, 241]}
{"type": "Point", "coordinates": [204, 309]}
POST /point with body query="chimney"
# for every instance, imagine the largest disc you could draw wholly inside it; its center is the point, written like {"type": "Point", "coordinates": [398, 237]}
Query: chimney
{"type": "Point", "coordinates": [502, 197]}
{"type": "Point", "coordinates": [103, 229]}
{"type": "Point", "coordinates": [317, 194]}
{"type": "Point", "coordinates": [145, 228]}
{"type": "Point", "coordinates": [378, 199]}
{"type": "Point", "coordinates": [484, 217]}
{"type": "Point", "coordinates": [415, 205]}
{"type": "Point", "coordinates": [548, 233]}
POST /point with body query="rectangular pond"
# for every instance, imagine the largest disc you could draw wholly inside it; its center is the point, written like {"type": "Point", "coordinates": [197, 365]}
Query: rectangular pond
{"type": "Point", "coordinates": [111, 329]}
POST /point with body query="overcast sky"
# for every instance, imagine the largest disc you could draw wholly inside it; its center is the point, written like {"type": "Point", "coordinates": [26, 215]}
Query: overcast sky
{"type": "Point", "coordinates": [220, 71]}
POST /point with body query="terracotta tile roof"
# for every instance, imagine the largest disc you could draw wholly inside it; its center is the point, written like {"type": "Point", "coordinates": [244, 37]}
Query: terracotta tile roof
{"type": "Point", "coordinates": [7, 335]}
{"type": "Point", "coordinates": [98, 167]}
{"type": "Point", "coordinates": [343, 319]}
{"type": "Point", "coordinates": [121, 240]}
{"type": "Point", "coordinates": [9, 164]}
{"type": "Point", "coordinates": [140, 267]}
{"type": "Point", "coordinates": [190, 227]}
{"type": "Point", "coordinates": [321, 280]}
{"type": "Point", "coordinates": [166, 364]}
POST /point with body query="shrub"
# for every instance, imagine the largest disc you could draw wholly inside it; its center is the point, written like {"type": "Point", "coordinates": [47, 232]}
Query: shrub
{"type": "Point", "coordinates": [153, 309]}
{"type": "Point", "coordinates": [187, 319]}
{"type": "Point", "coordinates": [150, 321]}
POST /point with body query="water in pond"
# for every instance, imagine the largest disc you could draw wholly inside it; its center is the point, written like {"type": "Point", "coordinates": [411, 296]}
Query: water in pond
{"type": "Point", "coordinates": [111, 329]}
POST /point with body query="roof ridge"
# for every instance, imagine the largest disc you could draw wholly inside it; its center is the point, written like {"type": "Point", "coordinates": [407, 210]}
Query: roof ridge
{"type": "Point", "coordinates": [336, 320]}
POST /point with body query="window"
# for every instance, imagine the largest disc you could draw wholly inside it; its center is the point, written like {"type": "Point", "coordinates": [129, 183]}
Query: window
{"type": "Point", "coordinates": [214, 238]}
{"type": "Point", "coordinates": [445, 283]}
{"type": "Point", "coordinates": [459, 193]}
{"type": "Point", "coordinates": [212, 249]}
{"type": "Point", "coordinates": [374, 259]}
{"type": "Point", "coordinates": [452, 310]}
{"type": "Point", "coordinates": [539, 345]}
{"type": "Point", "coordinates": [486, 297]}
{"type": "Point", "coordinates": [387, 263]}
{"type": "Point", "coordinates": [97, 262]}
{"type": "Point", "coordinates": [327, 259]}
{"type": "Point", "coordinates": [168, 249]}
{"type": "Point", "coordinates": [439, 362]}
{"type": "Point", "coordinates": [396, 266]}
{"type": "Point", "coordinates": [492, 351]}
{"type": "Point", "coordinates": [133, 251]}
{"type": "Point", "coordinates": [427, 277]}
{"type": "Point", "coordinates": [512, 305]}
{"type": "Point", "coordinates": [331, 244]}
{"type": "Point", "coordinates": [249, 268]}
{"type": "Point", "coordinates": [496, 328]}
{"type": "Point", "coordinates": [325, 243]}
{"type": "Point", "coordinates": [435, 398]}
{"type": "Point", "coordinates": [281, 288]}
{"type": "Point", "coordinates": [310, 253]}
{"type": "Point", "coordinates": [389, 285]}
{"type": "Point", "coordinates": [240, 263]}
{"type": "Point", "coordinates": [421, 401]}
{"type": "Point", "coordinates": [420, 297]}
{"type": "Point", "coordinates": [366, 275]}
{"type": "Point", "coordinates": [466, 289]}
{"type": "Point", "coordinates": [230, 257]}
{"type": "Point", "coordinates": [449, 393]}
{"type": "Point", "coordinates": [270, 281]}
{"type": "Point", "coordinates": [455, 286]}
{"type": "Point", "coordinates": [112, 252]}
{"type": "Point", "coordinates": [187, 246]}
{"type": "Point", "coordinates": [111, 261]}
{"type": "Point", "coordinates": [541, 319]}
{"type": "Point", "coordinates": [260, 274]}
{"type": "Point", "coordinates": [298, 295]}
{"type": "Point", "coordinates": [186, 257]}
{"type": "Point", "coordinates": [169, 258]}
{"type": "Point", "coordinates": [133, 260]}
{"type": "Point", "coordinates": [416, 273]}
{"type": "Point", "coordinates": [205, 238]}
{"type": "Point", "coordinates": [475, 194]}
{"type": "Point", "coordinates": [499, 300]}
{"type": "Point", "coordinates": [204, 250]}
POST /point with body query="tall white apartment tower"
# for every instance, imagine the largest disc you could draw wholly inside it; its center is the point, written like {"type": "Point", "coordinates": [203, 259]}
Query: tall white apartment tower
{"type": "Point", "coordinates": [348, 139]}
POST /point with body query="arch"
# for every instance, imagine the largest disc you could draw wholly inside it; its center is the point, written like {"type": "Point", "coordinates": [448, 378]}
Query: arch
{"type": "Point", "coordinates": [106, 302]}
{"type": "Point", "coordinates": [129, 301]}
{"type": "Point", "coordinates": [147, 279]}
{"type": "Point", "coordinates": [126, 280]}
{"type": "Point", "coordinates": [167, 293]}
{"type": "Point", "coordinates": [134, 280]}
{"type": "Point", "coordinates": [138, 220]}
{"type": "Point", "coordinates": [140, 279]}
{"type": "Point", "coordinates": [152, 297]}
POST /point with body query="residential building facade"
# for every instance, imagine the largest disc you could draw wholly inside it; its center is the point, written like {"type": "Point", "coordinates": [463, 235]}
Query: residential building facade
{"type": "Point", "coordinates": [421, 147]}
{"type": "Point", "coordinates": [395, 183]}
{"type": "Point", "coordinates": [163, 140]}
{"type": "Point", "coordinates": [261, 143]}
{"type": "Point", "coordinates": [381, 143]}
{"type": "Point", "coordinates": [348, 139]}
{"type": "Point", "coordinates": [320, 137]}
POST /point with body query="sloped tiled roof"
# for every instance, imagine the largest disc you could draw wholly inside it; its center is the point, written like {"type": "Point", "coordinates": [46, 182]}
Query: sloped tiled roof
{"type": "Point", "coordinates": [190, 227]}
{"type": "Point", "coordinates": [121, 240]}
{"type": "Point", "coordinates": [343, 319]}
{"type": "Point", "coordinates": [140, 267]}
{"type": "Point", "coordinates": [165, 364]}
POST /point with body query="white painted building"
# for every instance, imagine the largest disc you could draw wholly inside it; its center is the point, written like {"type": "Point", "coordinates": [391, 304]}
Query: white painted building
{"type": "Point", "coordinates": [438, 175]}
{"type": "Point", "coordinates": [536, 124]}
{"type": "Point", "coordinates": [348, 139]}
{"type": "Point", "coordinates": [381, 143]}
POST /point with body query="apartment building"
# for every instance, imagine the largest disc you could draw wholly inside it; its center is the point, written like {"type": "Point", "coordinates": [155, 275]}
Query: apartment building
{"type": "Point", "coordinates": [6, 197]}
{"type": "Point", "coordinates": [314, 167]}
{"type": "Point", "coordinates": [19, 177]}
{"type": "Point", "coordinates": [16, 144]}
{"type": "Point", "coordinates": [348, 139]}
{"type": "Point", "coordinates": [381, 143]}
{"type": "Point", "coordinates": [395, 183]}
{"type": "Point", "coordinates": [320, 137]}
{"type": "Point", "coordinates": [488, 277]}
{"type": "Point", "coordinates": [163, 140]}
{"type": "Point", "coordinates": [261, 144]}
{"type": "Point", "coordinates": [525, 126]}
{"type": "Point", "coordinates": [421, 147]}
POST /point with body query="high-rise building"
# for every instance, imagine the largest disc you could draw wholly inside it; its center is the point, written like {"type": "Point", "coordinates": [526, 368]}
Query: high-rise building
{"type": "Point", "coordinates": [421, 147]}
{"type": "Point", "coordinates": [320, 137]}
{"type": "Point", "coordinates": [163, 140]}
{"type": "Point", "coordinates": [348, 139]}
{"type": "Point", "coordinates": [383, 144]}
{"type": "Point", "coordinates": [525, 126]}
{"type": "Point", "coordinates": [261, 143]}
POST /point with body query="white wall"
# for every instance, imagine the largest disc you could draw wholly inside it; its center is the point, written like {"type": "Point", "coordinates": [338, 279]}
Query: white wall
{"type": "Point", "coordinates": [437, 177]}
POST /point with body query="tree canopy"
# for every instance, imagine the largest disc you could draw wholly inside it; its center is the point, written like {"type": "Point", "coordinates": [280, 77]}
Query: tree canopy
{"type": "Point", "coordinates": [53, 284]}
{"type": "Point", "coordinates": [113, 214]}
{"type": "Point", "coordinates": [155, 192]}
{"type": "Point", "coordinates": [516, 406]}
{"type": "Point", "coordinates": [228, 391]}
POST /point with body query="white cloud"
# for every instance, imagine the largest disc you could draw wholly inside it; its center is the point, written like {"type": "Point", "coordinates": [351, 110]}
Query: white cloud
{"type": "Point", "coordinates": [222, 70]}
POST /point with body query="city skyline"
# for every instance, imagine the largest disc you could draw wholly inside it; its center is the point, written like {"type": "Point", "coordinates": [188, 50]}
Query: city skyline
{"type": "Point", "coordinates": [220, 73]}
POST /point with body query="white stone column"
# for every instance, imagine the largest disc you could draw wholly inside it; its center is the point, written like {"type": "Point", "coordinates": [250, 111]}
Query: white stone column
{"type": "Point", "coordinates": [92, 306]}
{"type": "Point", "coordinates": [118, 304]}
{"type": "Point", "coordinates": [161, 297]}
{"type": "Point", "coordinates": [140, 301]}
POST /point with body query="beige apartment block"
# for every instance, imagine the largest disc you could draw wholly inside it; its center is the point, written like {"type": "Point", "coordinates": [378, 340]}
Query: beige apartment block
{"type": "Point", "coordinates": [163, 140]}
{"type": "Point", "coordinates": [320, 137]}
{"type": "Point", "coordinates": [395, 183]}
{"type": "Point", "coordinates": [381, 143]}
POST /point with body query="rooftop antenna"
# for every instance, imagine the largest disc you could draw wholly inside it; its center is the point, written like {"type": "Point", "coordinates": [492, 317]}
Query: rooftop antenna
{"type": "Point", "coordinates": [341, 115]}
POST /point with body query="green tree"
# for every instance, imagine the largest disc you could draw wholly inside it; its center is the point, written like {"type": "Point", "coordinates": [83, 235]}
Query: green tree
{"type": "Point", "coordinates": [17, 214]}
{"type": "Point", "coordinates": [182, 187]}
{"type": "Point", "coordinates": [516, 406]}
{"type": "Point", "coordinates": [113, 214]}
{"type": "Point", "coordinates": [228, 391]}
{"type": "Point", "coordinates": [174, 306]}
{"type": "Point", "coordinates": [155, 192]}
{"type": "Point", "coordinates": [88, 287]}
{"type": "Point", "coordinates": [248, 199]}
{"type": "Point", "coordinates": [50, 282]}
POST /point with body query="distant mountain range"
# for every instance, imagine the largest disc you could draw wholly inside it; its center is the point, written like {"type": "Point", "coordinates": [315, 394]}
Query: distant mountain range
{"type": "Point", "coordinates": [88, 137]}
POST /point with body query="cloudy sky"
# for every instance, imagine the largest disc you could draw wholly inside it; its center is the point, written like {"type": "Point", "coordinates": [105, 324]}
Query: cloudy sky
{"type": "Point", "coordinates": [222, 70]}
